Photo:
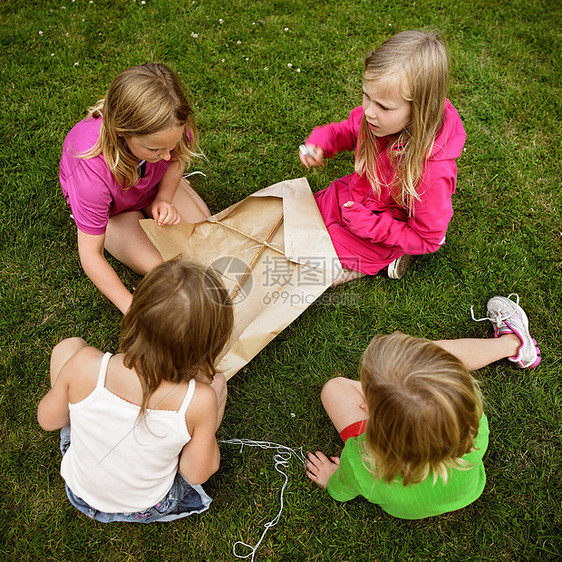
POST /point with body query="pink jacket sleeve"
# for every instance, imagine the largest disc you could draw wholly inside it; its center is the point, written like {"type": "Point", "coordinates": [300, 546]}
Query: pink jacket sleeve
{"type": "Point", "coordinates": [422, 233]}
{"type": "Point", "coordinates": [338, 136]}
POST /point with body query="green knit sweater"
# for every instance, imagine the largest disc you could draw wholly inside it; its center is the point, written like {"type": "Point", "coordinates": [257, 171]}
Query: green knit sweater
{"type": "Point", "coordinates": [415, 501]}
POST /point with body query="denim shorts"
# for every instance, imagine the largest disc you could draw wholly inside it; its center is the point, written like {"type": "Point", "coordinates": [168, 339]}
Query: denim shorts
{"type": "Point", "coordinates": [182, 500]}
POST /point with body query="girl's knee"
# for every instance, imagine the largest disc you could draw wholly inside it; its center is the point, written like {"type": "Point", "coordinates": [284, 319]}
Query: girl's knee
{"type": "Point", "coordinates": [62, 352]}
{"type": "Point", "coordinates": [189, 204]}
{"type": "Point", "coordinates": [219, 386]}
{"type": "Point", "coordinates": [334, 388]}
{"type": "Point", "coordinates": [68, 347]}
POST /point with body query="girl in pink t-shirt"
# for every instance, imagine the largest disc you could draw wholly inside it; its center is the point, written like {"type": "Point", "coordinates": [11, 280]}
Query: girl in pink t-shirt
{"type": "Point", "coordinates": [406, 136]}
{"type": "Point", "coordinates": [125, 162]}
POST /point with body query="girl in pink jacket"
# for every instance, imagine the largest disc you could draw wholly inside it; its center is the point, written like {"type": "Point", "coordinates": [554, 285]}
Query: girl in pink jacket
{"type": "Point", "coordinates": [406, 136]}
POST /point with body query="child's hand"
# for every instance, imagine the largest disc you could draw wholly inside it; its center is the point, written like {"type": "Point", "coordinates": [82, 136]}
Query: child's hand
{"type": "Point", "coordinates": [319, 467]}
{"type": "Point", "coordinates": [311, 155]}
{"type": "Point", "coordinates": [164, 213]}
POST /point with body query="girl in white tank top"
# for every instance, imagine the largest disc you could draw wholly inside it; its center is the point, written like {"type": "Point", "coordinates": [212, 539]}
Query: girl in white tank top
{"type": "Point", "coordinates": [138, 428]}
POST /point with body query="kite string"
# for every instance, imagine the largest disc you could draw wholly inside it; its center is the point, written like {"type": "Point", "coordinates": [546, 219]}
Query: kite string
{"type": "Point", "coordinates": [281, 460]}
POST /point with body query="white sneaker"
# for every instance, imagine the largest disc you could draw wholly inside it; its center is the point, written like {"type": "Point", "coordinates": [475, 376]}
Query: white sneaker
{"type": "Point", "coordinates": [508, 317]}
{"type": "Point", "coordinates": [398, 267]}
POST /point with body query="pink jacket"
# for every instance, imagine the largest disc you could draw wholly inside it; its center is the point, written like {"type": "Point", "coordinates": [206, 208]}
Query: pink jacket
{"type": "Point", "coordinates": [376, 230]}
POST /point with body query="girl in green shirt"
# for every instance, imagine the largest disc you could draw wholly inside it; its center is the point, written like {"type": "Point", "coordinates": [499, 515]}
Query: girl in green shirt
{"type": "Point", "coordinates": [413, 426]}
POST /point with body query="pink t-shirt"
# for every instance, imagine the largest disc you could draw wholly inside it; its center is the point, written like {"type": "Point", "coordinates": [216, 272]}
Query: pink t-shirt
{"type": "Point", "coordinates": [90, 188]}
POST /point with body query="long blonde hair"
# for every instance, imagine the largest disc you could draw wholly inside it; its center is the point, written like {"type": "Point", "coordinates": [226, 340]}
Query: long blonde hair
{"type": "Point", "coordinates": [424, 409]}
{"type": "Point", "coordinates": [417, 63]}
{"type": "Point", "coordinates": [142, 100]}
{"type": "Point", "coordinates": [180, 320]}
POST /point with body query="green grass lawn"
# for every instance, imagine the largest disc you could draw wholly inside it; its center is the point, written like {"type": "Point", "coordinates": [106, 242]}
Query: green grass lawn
{"type": "Point", "coordinates": [262, 74]}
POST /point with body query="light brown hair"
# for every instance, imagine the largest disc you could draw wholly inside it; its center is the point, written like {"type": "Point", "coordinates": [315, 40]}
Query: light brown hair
{"type": "Point", "coordinates": [179, 321]}
{"type": "Point", "coordinates": [416, 62]}
{"type": "Point", "coordinates": [424, 409]}
{"type": "Point", "coordinates": [142, 100]}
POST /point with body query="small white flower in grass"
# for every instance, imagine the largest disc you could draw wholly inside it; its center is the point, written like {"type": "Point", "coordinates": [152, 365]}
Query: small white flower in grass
{"type": "Point", "coordinates": [221, 21]}
{"type": "Point", "coordinates": [298, 70]}
{"type": "Point", "coordinates": [91, 2]}
{"type": "Point", "coordinates": [286, 29]}
{"type": "Point", "coordinates": [76, 63]}
{"type": "Point", "coordinates": [290, 65]}
{"type": "Point", "coordinates": [52, 54]}
{"type": "Point", "coordinates": [40, 33]}
{"type": "Point", "coordinates": [239, 42]}
{"type": "Point", "coordinates": [246, 58]}
{"type": "Point", "coordinates": [222, 60]}
{"type": "Point", "coordinates": [293, 415]}
{"type": "Point", "coordinates": [143, 2]}
{"type": "Point", "coordinates": [194, 35]}
{"type": "Point", "coordinates": [266, 68]}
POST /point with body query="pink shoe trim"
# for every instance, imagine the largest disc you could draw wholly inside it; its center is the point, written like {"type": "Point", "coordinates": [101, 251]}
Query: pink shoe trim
{"type": "Point", "coordinates": [514, 331]}
{"type": "Point", "coordinates": [505, 329]}
{"type": "Point", "coordinates": [516, 358]}
{"type": "Point", "coordinates": [535, 364]}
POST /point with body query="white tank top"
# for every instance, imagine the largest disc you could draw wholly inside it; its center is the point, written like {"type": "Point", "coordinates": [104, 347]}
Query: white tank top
{"type": "Point", "coordinates": [115, 462]}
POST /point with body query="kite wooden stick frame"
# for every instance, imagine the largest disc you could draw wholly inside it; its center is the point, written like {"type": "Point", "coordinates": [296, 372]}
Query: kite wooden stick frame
{"type": "Point", "coordinates": [261, 242]}
{"type": "Point", "coordinates": [264, 244]}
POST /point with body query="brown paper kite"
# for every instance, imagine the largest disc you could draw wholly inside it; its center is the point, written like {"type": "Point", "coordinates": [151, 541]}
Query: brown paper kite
{"type": "Point", "coordinates": [275, 256]}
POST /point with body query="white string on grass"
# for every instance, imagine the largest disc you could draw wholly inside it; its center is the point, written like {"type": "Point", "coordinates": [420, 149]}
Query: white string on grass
{"type": "Point", "coordinates": [281, 460]}
{"type": "Point", "coordinates": [193, 173]}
